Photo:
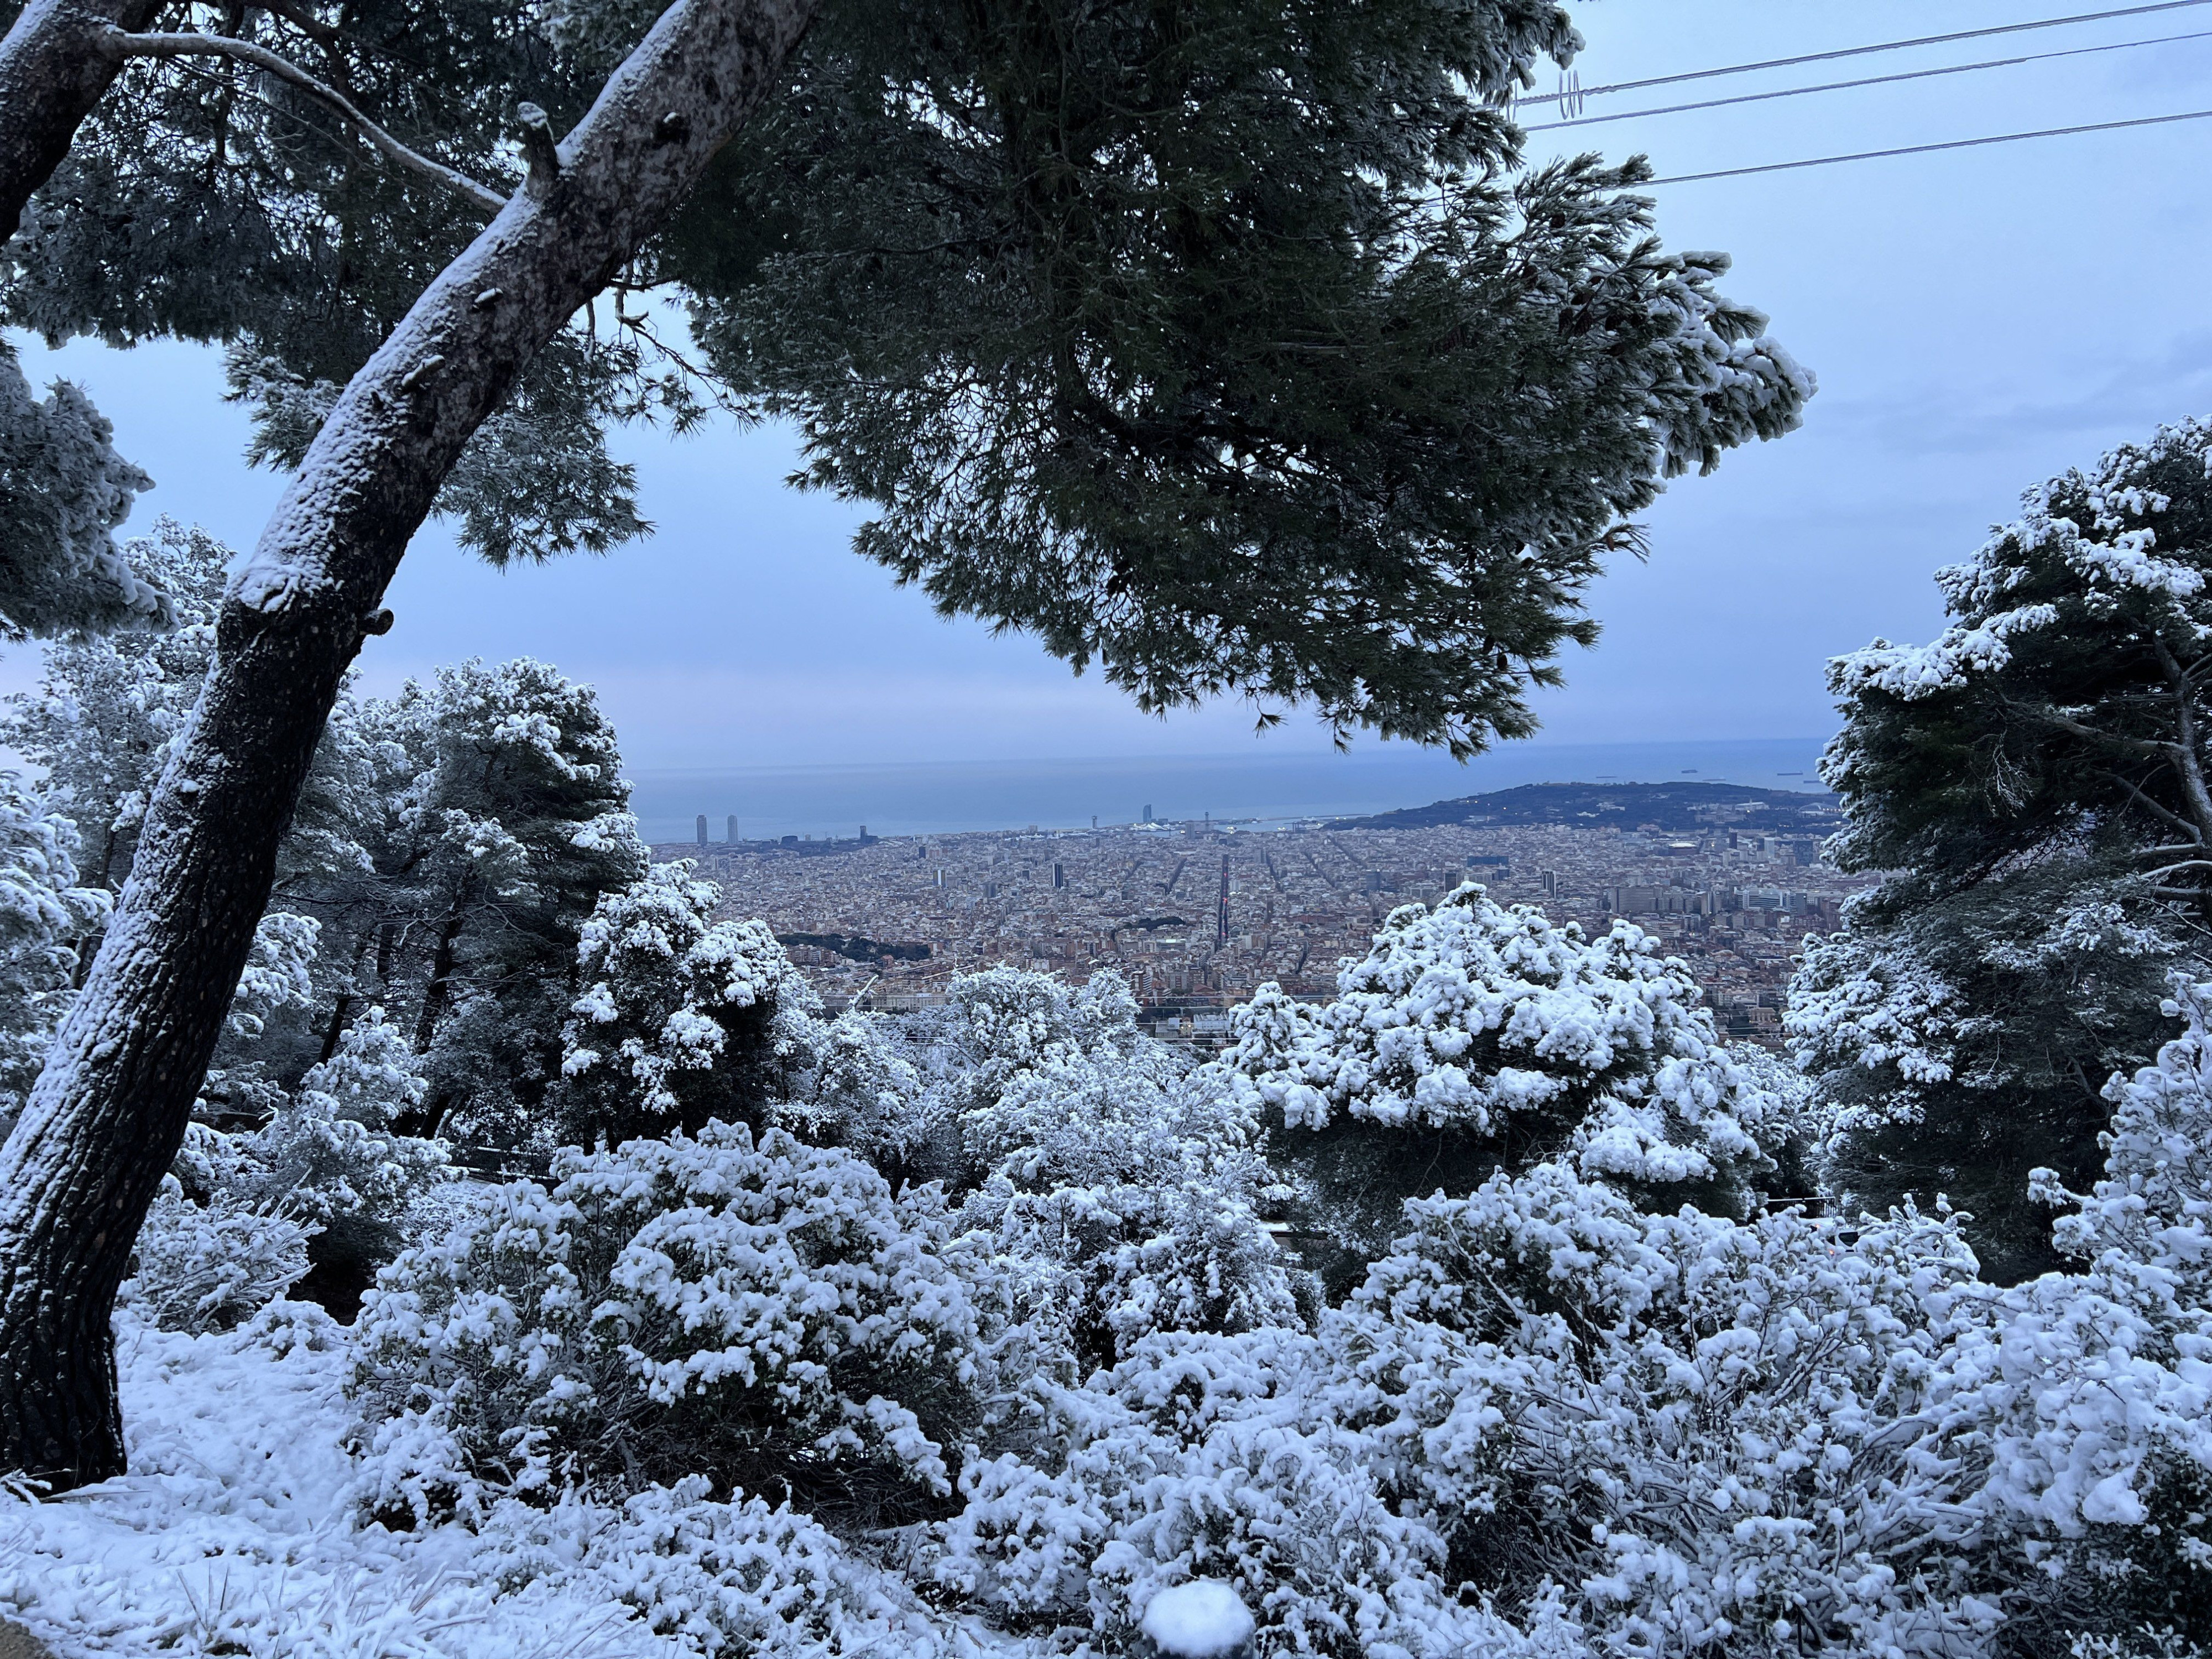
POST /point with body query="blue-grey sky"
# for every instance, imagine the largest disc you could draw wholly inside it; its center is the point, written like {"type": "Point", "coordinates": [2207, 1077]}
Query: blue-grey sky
{"type": "Point", "coordinates": [1978, 319]}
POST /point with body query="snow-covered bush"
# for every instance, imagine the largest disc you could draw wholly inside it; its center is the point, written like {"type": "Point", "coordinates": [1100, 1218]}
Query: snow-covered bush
{"type": "Point", "coordinates": [328, 1155]}
{"type": "Point", "coordinates": [1120, 1197]}
{"type": "Point", "coordinates": [1710, 1434]}
{"type": "Point", "coordinates": [685, 1019]}
{"type": "Point", "coordinates": [1473, 1036]}
{"type": "Point", "coordinates": [1109, 1189]}
{"type": "Point", "coordinates": [713, 1576]}
{"type": "Point", "coordinates": [208, 1267]}
{"type": "Point", "coordinates": [765, 1312]}
{"type": "Point", "coordinates": [1007, 1021]}
{"type": "Point", "coordinates": [1209, 1456]}
{"type": "Point", "coordinates": [862, 1093]}
{"type": "Point", "coordinates": [2093, 1390]}
{"type": "Point", "coordinates": [1667, 1432]}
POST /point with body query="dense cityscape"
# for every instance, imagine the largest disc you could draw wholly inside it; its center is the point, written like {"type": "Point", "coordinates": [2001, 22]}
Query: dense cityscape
{"type": "Point", "coordinates": [1197, 914]}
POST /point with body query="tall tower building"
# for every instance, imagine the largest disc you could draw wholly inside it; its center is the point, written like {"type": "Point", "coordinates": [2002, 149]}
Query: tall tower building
{"type": "Point", "coordinates": [731, 837]}
{"type": "Point", "coordinates": [702, 829]}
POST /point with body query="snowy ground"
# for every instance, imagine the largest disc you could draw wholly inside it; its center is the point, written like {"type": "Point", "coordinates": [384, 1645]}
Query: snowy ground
{"type": "Point", "coordinates": [230, 1534]}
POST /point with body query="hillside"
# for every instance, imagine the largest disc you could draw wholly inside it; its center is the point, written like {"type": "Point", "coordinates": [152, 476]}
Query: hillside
{"type": "Point", "coordinates": [1662, 807]}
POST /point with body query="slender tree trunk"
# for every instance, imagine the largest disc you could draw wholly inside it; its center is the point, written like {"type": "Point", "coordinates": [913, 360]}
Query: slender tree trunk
{"type": "Point", "coordinates": [109, 1111]}
{"type": "Point", "coordinates": [52, 74]}
{"type": "Point", "coordinates": [439, 989]}
{"type": "Point", "coordinates": [341, 1005]}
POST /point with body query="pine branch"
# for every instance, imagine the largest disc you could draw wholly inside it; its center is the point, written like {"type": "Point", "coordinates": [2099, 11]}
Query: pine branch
{"type": "Point", "coordinates": [121, 44]}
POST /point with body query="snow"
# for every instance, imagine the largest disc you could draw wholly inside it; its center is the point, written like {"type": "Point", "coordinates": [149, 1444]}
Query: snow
{"type": "Point", "coordinates": [1199, 1619]}
{"type": "Point", "coordinates": [230, 1534]}
{"type": "Point", "coordinates": [734, 1393]}
{"type": "Point", "coordinates": [1558, 1019]}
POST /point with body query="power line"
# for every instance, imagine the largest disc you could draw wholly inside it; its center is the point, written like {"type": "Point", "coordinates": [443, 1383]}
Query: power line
{"type": "Point", "coordinates": [1860, 51]}
{"type": "Point", "coordinates": [1923, 150]}
{"type": "Point", "coordinates": [1870, 80]}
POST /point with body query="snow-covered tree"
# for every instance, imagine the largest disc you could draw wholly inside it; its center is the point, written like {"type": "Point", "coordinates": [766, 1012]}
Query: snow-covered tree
{"type": "Point", "coordinates": [100, 725]}
{"type": "Point", "coordinates": [2035, 782]}
{"type": "Point", "coordinates": [683, 1018]}
{"type": "Point", "coordinates": [62, 491]}
{"type": "Point", "coordinates": [500, 819]}
{"type": "Point", "coordinates": [1956, 1046]}
{"type": "Point", "coordinates": [45, 917]}
{"type": "Point", "coordinates": [1473, 1036]}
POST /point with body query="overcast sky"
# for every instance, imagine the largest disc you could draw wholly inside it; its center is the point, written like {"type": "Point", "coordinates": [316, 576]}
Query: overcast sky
{"type": "Point", "coordinates": [1978, 319]}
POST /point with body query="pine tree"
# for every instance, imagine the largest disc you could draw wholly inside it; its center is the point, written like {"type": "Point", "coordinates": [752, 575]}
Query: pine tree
{"type": "Point", "coordinates": [62, 491]}
{"type": "Point", "coordinates": [1201, 340]}
{"type": "Point", "coordinates": [682, 1019]}
{"type": "Point", "coordinates": [112, 1103]}
{"type": "Point", "coordinates": [508, 821]}
{"type": "Point", "coordinates": [1615, 365]}
{"type": "Point", "coordinates": [2035, 781]}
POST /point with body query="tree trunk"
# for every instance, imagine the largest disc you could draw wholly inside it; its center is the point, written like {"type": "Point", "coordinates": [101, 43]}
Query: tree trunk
{"type": "Point", "coordinates": [109, 1111]}
{"type": "Point", "coordinates": [439, 988]}
{"type": "Point", "coordinates": [52, 74]}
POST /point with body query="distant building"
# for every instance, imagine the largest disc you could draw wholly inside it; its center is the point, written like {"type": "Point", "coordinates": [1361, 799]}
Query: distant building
{"type": "Point", "coordinates": [1148, 814]}
{"type": "Point", "coordinates": [731, 837]}
{"type": "Point", "coordinates": [702, 829]}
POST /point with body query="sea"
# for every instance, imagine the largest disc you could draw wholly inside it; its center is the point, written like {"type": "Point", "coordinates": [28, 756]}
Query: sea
{"type": "Point", "coordinates": [1253, 790]}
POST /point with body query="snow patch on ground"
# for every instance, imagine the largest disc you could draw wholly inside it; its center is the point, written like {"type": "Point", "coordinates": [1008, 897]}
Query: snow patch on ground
{"type": "Point", "coordinates": [232, 1533]}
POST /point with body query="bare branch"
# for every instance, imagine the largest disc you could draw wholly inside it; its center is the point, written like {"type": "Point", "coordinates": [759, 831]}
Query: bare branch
{"type": "Point", "coordinates": [2197, 835]}
{"type": "Point", "coordinates": [121, 44]}
{"type": "Point", "coordinates": [2110, 739]}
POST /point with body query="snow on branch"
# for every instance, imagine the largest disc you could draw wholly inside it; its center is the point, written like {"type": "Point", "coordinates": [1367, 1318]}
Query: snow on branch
{"type": "Point", "coordinates": [119, 42]}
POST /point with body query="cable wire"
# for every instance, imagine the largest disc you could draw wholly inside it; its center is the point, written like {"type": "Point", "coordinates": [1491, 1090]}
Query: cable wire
{"type": "Point", "coordinates": [1860, 51]}
{"type": "Point", "coordinates": [1870, 80]}
{"type": "Point", "coordinates": [1923, 150]}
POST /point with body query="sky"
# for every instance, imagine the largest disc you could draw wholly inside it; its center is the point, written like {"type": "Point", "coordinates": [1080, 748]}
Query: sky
{"type": "Point", "coordinates": [1978, 319]}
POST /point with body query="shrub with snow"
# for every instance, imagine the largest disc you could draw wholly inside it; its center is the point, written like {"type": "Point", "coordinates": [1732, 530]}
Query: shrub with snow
{"type": "Point", "coordinates": [1122, 1195]}
{"type": "Point", "coordinates": [1473, 1036]}
{"type": "Point", "coordinates": [863, 1093]}
{"type": "Point", "coordinates": [328, 1156]}
{"type": "Point", "coordinates": [1208, 1456]}
{"type": "Point", "coordinates": [762, 1311]}
{"type": "Point", "coordinates": [1109, 1189]}
{"type": "Point", "coordinates": [736, 1576]}
{"type": "Point", "coordinates": [1706, 1432]}
{"type": "Point", "coordinates": [208, 1266]}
